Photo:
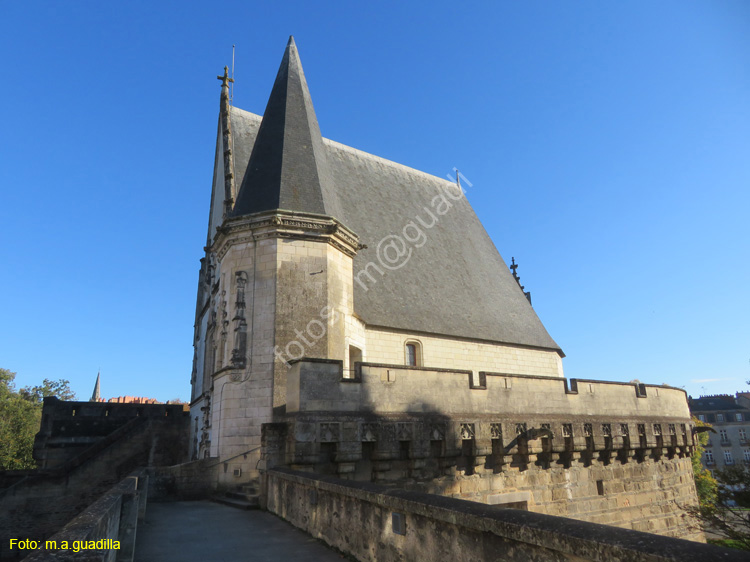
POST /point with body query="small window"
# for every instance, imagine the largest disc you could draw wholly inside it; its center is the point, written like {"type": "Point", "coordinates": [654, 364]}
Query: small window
{"type": "Point", "coordinates": [413, 354]}
{"type": "Point", "coordinates": [743, 435]}
{"type": "Point", "coordinates": [723, 435]}
{"type": "Point", "coordinates": [746, 454]}
{"type": "Point", "coordinates": [701, 417]}
{"type": "Point", "coordinates": [728, 457]}
{"type": "Point", "coordinates": [738, 417]}
{"type": "Point", "coordinates": [709, 457]}
{"type": "Point", "coordinates": [719, 417]}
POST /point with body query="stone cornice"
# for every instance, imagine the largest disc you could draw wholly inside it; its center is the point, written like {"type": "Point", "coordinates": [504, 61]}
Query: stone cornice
{"type": "Point", "coordinates": [284, 224]}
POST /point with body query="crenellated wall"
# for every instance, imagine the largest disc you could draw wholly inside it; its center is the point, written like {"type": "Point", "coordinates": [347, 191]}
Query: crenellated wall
{"type": "Point", "coordinates": [599, 451]}
{"type": "Point", "coordinates": [68, 428]}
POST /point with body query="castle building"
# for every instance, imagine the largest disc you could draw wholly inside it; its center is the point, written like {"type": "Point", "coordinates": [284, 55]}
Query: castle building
{"type": "Point", "coordinates": [354, 318]}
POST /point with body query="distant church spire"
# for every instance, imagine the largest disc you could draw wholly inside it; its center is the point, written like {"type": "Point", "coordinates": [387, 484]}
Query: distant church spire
{"type": "Point", "coordinates": [288, 167]}
{"type": "Point", "coordinates": [95, 396]}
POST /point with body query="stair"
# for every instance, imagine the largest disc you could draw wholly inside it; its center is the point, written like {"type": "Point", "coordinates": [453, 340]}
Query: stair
{"type": "Point", "coordinates": [244, 497]}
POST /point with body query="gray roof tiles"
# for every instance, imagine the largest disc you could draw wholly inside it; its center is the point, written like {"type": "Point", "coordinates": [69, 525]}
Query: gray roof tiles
{"type": "Point", "coordinates": [287, 167]}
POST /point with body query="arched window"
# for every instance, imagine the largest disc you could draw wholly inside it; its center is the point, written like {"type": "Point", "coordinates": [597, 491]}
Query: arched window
{"type": "Point", "coordinates": [413, 353]}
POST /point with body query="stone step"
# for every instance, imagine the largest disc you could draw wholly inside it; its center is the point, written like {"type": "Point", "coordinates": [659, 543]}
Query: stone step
{"type": "Point", "coordinates": [242, 495]}
{"type": "Point", "coordinates": [237, 503]}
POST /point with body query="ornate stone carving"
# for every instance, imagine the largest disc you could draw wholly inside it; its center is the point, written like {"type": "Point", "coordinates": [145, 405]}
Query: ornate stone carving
{"type": "Point", "coordinates": [194, 373]}
{"type": "Point", "coordinates": [496, 430]}
{"type": "Point", "coordinates": [467, 431]}
{"type": "Point", "coordinates": [239, 351]}
{"type": "Point", "coordinates": [387, 432]}
{"type": "Point", "coordinates": [210, 269]}
{"type": "Point", "coordinates": [404, 432]}
{"type": "Point", "coordinates": [224, 328]}
{"type": "Point", "coordinates": [436, 432]}
{"type": "Point", "coordinates": [330, 432]}
{"type": "Point", "coordinates": [368, 432]}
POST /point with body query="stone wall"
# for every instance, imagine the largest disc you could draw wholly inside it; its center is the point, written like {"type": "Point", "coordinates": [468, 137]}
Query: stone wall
{"type": "Point", "coordinates": [387, 346]}
{"type": "Point", "coordinates": [269, 285]}
{"type": "Point", "coordinates": [318, 385]}
{"type": "Point", "coordinates": [68, 428]}
{"type": "Point", "coordinates": [374, 523]}
{"type": "Point", "coordinates": [114, 516]}
{"type": "Point", "coordinates": [187, 481]}
{"type": "Point", "coordinates": [596, 451]}
{"type": "Point", "coordinates": [44, 501]}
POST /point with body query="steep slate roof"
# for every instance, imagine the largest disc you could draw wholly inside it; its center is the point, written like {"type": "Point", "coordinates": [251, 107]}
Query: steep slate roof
{"type": "Point", "coordinates": [287, 168]}
{"type": "Point", "coordinates": [712, 403]}
{"type": "Point", "coordinates": [454, 281]}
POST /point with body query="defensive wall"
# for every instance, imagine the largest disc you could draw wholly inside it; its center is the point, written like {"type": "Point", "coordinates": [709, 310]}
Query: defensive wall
{"type": "Point", "coordinates": [36, 504]}
{"type": "Point", "coordinates": [371, 522]}
{"type": "Point", "coordinates": [112, 517]}
{"type": "Point", "coordinates": [614, 453]}
{"type": "Point", "coordinates": [69, 428]}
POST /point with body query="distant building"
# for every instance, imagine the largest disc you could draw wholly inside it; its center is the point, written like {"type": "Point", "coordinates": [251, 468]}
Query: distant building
{"type": "Point", "coordinates": [133, 400]}
{"type": "Point", "coordinates": [730, 417]}
{"type": "Point", "coordinates": [96, 397]}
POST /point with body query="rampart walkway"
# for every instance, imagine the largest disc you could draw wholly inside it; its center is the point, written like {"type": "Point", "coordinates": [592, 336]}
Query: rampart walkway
{"type": "Point", "coordinates": [206, 531]}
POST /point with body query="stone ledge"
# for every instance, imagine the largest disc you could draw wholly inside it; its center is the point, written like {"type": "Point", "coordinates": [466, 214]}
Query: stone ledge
{"type": "Point", "coordinates": [588, 541]}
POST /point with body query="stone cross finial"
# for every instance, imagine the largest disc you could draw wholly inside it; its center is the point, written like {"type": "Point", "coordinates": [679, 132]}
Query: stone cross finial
{"type": "Point", "coordinates": [514, 266]}
{"type": "Point", "coordinates": [225, 80]}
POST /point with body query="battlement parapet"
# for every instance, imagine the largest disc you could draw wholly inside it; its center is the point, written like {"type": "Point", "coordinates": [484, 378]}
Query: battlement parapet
{"type": "Point", "coordinates": [319, 385]}
{"type": "Point", "coordinates": [69, 427]}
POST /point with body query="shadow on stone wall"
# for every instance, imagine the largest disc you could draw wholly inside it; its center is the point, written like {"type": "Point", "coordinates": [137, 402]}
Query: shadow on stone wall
{"type": "Point", "coordinates": [626, 472]}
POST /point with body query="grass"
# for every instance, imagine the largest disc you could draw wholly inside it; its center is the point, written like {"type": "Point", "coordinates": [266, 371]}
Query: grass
{"type": "Point", "coordinates": [728, 543]}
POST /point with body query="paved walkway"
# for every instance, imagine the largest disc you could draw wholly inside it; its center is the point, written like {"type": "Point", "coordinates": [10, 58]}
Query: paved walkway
{"type": "Point", "coordinates": [211, 532]}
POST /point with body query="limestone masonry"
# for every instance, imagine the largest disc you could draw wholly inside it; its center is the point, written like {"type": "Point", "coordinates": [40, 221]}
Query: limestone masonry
{"type": "Point", "coordinates": [354, 319]}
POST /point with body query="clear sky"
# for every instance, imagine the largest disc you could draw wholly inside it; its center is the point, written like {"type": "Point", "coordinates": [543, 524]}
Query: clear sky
{"type": "Point", "coordinates": [608, 147]}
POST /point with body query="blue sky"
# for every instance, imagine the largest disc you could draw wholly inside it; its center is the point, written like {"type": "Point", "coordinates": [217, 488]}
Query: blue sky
{"type": "Point", "coordinates": [607, 145]}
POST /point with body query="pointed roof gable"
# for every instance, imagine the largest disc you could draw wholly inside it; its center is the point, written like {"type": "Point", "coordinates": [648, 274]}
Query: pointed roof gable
{"type": "Point", "coordinates": [288, 168]}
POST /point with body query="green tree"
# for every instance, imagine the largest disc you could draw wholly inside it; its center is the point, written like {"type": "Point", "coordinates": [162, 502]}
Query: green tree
{"type": "Point", "coordinates": [37, 394]}
{"type": "Point", "coordinates": [724, 501]}
{"type": "Point", "coordinates": [705, 484]}
{"type": "Point", "coordinates": [729, 515]}
{"type": "Point", "coordinates": [20, 416]}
